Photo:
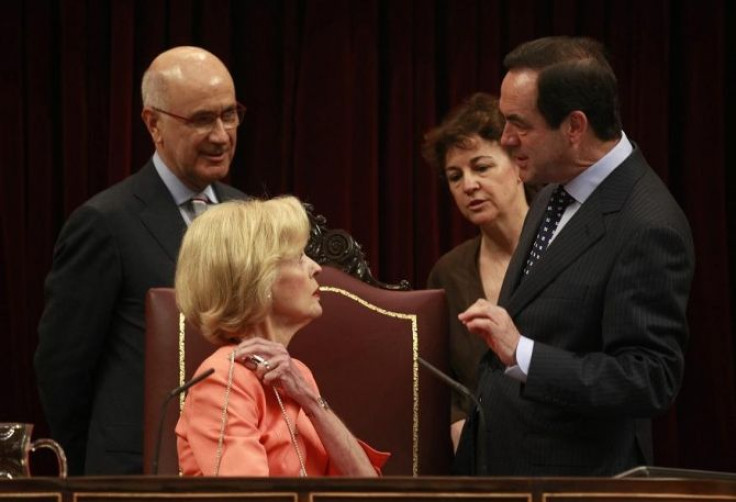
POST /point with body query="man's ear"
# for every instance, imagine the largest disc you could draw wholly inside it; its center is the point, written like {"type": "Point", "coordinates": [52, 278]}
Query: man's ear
{"type": "Point", "coordinates": [151, 119]}
{"type": "Point", "coordinates": [576, 125]}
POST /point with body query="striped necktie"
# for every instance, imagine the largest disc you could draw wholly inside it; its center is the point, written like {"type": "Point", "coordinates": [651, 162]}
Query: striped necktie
{"type": "Point", "coordinates": [197, 205]}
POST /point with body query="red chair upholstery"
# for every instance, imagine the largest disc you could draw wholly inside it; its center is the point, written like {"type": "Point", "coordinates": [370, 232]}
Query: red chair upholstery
{"type": "Point", "coordinates": [362, 352]}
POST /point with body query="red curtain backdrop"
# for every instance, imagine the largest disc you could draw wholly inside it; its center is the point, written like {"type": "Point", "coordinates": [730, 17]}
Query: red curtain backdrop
{"type": "Point", "coordinates": [339, 94]}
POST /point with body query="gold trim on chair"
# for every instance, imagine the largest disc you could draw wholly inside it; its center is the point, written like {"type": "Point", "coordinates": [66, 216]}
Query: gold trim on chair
{"type": "Point", "coordinates": [182, 364]}
{"type": "Point", "coordinates": [182, 357]}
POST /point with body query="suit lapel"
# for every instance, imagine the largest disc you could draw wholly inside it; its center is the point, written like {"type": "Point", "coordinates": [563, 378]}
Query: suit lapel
{"type": "Point", "coordinates": [585, 228]}
{"type": "Point", "coordinates": [581, 232]}
{"type": "Point", "coordinates": [159, 213]}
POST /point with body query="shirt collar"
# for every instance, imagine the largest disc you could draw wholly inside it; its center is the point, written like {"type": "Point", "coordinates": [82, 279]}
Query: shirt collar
{"type": "Point", "coordinates": [586, 182]}
{"type": "Point", "coordinates": [179, 191]}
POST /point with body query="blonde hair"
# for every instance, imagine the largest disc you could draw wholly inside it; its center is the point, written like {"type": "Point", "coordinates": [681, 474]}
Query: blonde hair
{"type": "Point", "coordinates": [229, 260]}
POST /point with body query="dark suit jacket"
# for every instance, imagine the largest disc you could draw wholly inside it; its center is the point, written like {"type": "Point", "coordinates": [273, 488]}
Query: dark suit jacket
{"type": "Point", "coordinates": [605, 306]}
{"type": "Point", "coordinates": [89, 361]}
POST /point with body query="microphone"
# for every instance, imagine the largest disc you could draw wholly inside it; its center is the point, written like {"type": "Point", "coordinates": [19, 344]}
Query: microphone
{"type": "Point", "coordinates": [480, 451]}
{"type": "Point", "coordinates": [175, 392]}
{"type": "Point", "coordinates": [194, 381]}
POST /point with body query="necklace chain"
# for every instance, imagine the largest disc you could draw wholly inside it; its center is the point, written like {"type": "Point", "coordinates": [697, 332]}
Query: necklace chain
{"type": "Point", "coordinates": [223, 423]}
{"type": "Point", "coordinates": [292, 434]}
{"type": "Point", "coordinates": [223, 419]}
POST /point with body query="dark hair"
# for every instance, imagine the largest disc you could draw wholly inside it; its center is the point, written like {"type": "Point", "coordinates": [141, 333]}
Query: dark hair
{"type": "Point", "coordinates": [478, 114]}
{"type": "Point", "coordinates": [574, 74]}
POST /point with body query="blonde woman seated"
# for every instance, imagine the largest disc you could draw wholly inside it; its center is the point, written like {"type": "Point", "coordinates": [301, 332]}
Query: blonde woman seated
{"type": "Point", "coordinates": [244, 280]}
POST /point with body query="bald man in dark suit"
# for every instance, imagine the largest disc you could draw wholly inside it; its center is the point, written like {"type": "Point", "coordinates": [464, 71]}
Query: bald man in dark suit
{"type": "Point", "coordinates": [586, 342]}
{"type": "Point", "coordinates": [123, 241]}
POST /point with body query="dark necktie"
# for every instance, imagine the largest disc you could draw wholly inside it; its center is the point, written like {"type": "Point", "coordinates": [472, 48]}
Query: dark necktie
{"type": "Point", "coordinates": [557, 204]}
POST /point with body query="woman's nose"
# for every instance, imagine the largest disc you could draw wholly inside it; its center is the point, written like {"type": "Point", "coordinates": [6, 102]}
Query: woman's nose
{"type": "Point", "coordinates": [316, 267]}
{"type": "Point", "coordinates": [470, 184]}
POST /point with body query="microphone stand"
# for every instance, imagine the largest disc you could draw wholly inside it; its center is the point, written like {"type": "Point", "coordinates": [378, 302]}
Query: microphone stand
{"type": "Point", "coordinates": [194, 381]}
{"type": "Point", "coordinates": [481, 466]}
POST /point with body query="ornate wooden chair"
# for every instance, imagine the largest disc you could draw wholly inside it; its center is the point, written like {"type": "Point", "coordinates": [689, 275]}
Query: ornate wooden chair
{"type": "Point", "coordinates": [363, 352]}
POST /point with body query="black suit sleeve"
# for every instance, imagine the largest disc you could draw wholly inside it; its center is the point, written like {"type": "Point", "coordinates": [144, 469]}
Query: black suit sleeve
{"type": "Point", "coordinates": [81, 291]}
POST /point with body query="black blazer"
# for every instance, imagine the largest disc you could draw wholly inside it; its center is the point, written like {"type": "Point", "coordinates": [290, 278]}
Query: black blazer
{"type": "Point", "coordinates": [606, 308]}
{"type": "Point", "coordinates": [89, 361]}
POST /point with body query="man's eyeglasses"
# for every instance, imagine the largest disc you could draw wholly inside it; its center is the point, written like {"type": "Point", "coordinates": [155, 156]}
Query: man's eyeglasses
{"type": "Point", "coordinates": [207, 121]}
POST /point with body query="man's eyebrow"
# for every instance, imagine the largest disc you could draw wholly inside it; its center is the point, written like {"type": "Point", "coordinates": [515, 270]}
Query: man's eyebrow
{"type": "Point", "coordinates": [214, 112]}
{"type": "Point", "coordinates": [513, 117]}
{"type": "Point", "coordinates": [203, 112]}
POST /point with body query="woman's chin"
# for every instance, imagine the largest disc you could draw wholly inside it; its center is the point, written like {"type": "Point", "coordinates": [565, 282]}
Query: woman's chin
{"type": "Point", "coordinates": [480, 219]}
{"type": "Point", "coordinates": [317, 311]}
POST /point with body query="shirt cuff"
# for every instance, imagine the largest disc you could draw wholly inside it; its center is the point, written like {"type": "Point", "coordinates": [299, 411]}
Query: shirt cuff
{"type": "Point", "coordinates": [524, 350]}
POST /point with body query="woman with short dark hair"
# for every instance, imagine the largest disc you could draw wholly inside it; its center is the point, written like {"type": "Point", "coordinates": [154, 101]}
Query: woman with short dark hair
{"type": "Point", "coordinates": [484, 182]}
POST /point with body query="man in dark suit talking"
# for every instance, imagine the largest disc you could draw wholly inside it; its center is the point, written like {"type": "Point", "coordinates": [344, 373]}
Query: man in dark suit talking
{"type": "Point", "coordinates": [586, 342]}
{"type": "Point", "coordinates": [120, 243]}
